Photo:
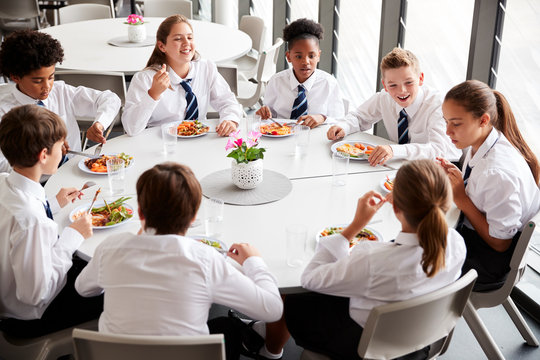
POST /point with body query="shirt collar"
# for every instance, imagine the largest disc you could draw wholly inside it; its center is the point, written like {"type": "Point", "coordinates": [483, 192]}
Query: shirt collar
{"type": "Point", "coordinates": [28, 186]}
{"type": "Point", "coordinates": [293, 82]}
{"type": "Point", "coordinates": [24, 99]}
{"type": "Point", "coordinates": [410, 239]}
{"type": "Point", "coordinates": [175, 78]}
{"type": "Point", "coordinates": [413, 108]}
{"type": "Point", "coordinates": [484, 148]}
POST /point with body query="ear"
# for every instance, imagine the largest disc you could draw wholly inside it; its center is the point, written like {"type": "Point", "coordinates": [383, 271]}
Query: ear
{"type": "Point", "coordinates": [161, 46]}
{"type": "Point", "coordinates": [288, 55]}
{"type": "Point", "coordinates": [384, 85]}
{"type": "Point", "coordinates": [15, 79]}
{"type": "Point", "coordinates": [42, 156]}
{"type": "Point", "coordinates": [139, 211]}
{"type": "Point", "coordinates": [421, 79]}
{"type": "Point", "coordinates": [484, 120]}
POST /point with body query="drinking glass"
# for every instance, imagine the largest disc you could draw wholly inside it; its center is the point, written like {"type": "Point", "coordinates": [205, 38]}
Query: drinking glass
{"type": "Point", "coordinates": [213, 220]}
{"type": "Point", "coordinates": [296, 244]}
{"type": "Point", "coordinates": [168, 133]}
{"type": "Point", "coordinates": [301, 139]}
{"type": "Point", "coordinates": [340, 169]}
{"type": "Point", "coordinates": [116, 172]}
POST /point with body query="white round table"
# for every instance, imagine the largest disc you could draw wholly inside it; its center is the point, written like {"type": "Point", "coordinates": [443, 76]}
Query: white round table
{"type": "Point", "coordinates": [313, 202]}
{"type": "Point", "coordinates": [86, 48]}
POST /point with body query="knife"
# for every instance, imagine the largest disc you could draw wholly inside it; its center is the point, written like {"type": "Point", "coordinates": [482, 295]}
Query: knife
{"type": "Point", "coordinates": [83, 154]}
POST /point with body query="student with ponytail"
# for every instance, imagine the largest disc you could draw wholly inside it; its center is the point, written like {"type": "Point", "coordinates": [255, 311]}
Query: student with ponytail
{"type": "Point", "coordinates": [497, 192]}
{"type": "Point", "coordinates": [425, 256]}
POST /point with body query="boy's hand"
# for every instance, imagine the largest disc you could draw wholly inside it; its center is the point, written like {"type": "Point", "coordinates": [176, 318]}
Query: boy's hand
{"type": "Point", "coordinates": [240, 252]}
{"type": "Point", "coordinates": [160, 83]}
{"type": "Point", "coordinates": [83, 225]}
{"type": "Point", "coordinates": [335, 133]}
{"type": "Point", "coordinates": [264, 112]}
{"type": "Point", "coordinates": [367, 206]}
{"type": "Point", "coordinates": [226, 127]}
{"type": "Point", "coordinates": [95, 133]}
{"type": "Point", "coordinates": [67, 195]}
{"type": "Point", "coordinates": [65, 147]}
{"type": "Point", "coordinates": [380, 155]}
{"type": "Point", "coordinates": [311, 120]}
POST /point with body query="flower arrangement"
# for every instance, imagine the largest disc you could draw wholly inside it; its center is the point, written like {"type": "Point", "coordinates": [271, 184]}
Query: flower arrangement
{"type": "Point", "coordinates": [245, 150]}
{"type": "Point", "coordinates": [134, 19]}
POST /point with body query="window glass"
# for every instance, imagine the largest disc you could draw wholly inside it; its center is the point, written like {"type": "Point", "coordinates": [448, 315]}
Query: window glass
{"type": "Point", "coordinates": [264, 10]}
{"type": "Point", "coordinates": [305, 9]}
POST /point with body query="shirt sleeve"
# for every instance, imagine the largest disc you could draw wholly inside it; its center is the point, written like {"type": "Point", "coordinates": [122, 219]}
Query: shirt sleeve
{"type": "Point", "coordinates": [255, 294]}
{"type": "Point", "coordinates": [87, 283]}
{"type": "Point", "coordinates": [336, 107]}
{"type": "Point", "coordinates": [139, 105]}
{"type": "Point", "coordinates": [222, 98]}
{"type": "Point", "coordinates": [270, 95]}
{"type": "Point", "coordinates": [363, 117]}
{"type": "Point", "coordinates": [41, 260]}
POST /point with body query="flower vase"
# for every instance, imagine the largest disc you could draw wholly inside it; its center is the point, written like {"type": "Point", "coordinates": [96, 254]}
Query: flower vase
{"type": "Point", "coordinates": [247, 176]}
{"type": "Point", "coordinates": [136, 33]}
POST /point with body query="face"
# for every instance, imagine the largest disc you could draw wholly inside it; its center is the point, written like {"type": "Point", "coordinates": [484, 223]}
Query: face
{"type": "Point", "coordinates": [462, 127]}
{"type": "Point", "coordinates": [36, 84]}
{"type": "Point", "coordinates": [304, 57]}
{"type": "Point", "coordinates": [53, 158]}
{"type": "Point", "coordinates": [402, 84]}
{"type": "Point", "coordinates": [180, 47]}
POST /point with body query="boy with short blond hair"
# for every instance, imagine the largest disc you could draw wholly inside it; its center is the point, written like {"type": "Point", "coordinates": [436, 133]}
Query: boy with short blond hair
{"type": "Point", "coordinates": [411, 113]}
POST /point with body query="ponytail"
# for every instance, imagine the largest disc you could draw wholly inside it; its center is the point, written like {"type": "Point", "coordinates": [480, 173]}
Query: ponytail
{"type": "Point", "coordinates": [432, 232]}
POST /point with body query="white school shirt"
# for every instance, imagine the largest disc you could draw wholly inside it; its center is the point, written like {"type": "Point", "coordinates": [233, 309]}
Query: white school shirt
{"type": "Point", "coordinates": [501, 186]}
{"type": "Point", "coordinates": [427, 128]}
{"type": "Point", "coordinates": [376, 273]}
{"type": "Point", "coordinates": [69, 103]}
{"type": "Point", "coordinates": [322, 93]}
{"type": "Point", "coordinates": [207, 84]}
{"type": "Point", "coordinates": [34, 260]}
{"type": "Point", "coordinates": [165, 285]}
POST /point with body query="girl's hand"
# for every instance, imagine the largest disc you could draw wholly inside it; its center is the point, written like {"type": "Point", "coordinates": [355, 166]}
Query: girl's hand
{"type": "Point", "coordinates": [160, 83]}
{"type": "Point", "coordinates": [226, 127]}
{"type": "Point", "coordinates": [83, 225]}
{"type": "Point", "coordinates": [456, 181]}
{"type": "Point", "coordinates": [380, 155]}
{"type": "Point", "coordinates": [67, 195]}
{"type": "Point", "coordinates": [367, 206]}
{"type": "Point", "coordinates": [311, 120]}
{"type": "Point", "coordinates": [264, 113]}
{"type": "Point", "coordinates": [240, 252]}
{"type": "Point", "coordinates": [335, 133]}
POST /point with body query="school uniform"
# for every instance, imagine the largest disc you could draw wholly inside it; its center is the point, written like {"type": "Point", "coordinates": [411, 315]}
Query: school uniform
{"type": "Point", "coordinates": [426, 126]}
{"type": "Point", "coordinates": [321, 90]}
{"type": "Point", "coordinates": [374, 273]}
{"type": "Point", "coordinates": [69, 103]}
{"type": "Point", "coordinates": [503, 188]}
{"type": "Point", "coordinates": [209, 87]}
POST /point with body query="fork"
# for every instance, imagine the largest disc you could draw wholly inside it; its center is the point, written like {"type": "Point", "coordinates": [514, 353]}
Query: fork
{"type": "Point", "coordinates": [98, 149]}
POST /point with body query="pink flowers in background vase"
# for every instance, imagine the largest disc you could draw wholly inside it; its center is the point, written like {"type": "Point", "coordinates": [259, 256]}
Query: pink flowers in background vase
{"type": "Point", "coordinates": [247, 166]}
{"type": "Point", "coordinates": [136, 28]}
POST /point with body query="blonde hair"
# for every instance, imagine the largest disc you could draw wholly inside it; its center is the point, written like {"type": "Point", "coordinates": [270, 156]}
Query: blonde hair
{"type": "Point", "coordinates": [422, 192]}
{"type": "Point", "coordinates": [398, 58]}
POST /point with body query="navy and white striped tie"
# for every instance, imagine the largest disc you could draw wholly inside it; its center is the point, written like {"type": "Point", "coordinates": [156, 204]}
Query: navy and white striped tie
{"type": "Point", "coordinates": [40, 103]}
{"type": "Point", "coordinates": [48, 211]}
{"type": "Point", "coordinates": [403, 127]}
{"type": "Point", "coordinates": [192, 108]}
{"type": "Point", "coordinates": [300, 104]}
{"type": "Point", "coordinates": [461, 218]}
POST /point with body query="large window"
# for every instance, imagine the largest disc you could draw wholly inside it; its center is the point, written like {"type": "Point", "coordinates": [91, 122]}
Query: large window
{"type": "Point", "coordinates": [305, 9]}
{"type": "Point", "coordinates": [263, 9]}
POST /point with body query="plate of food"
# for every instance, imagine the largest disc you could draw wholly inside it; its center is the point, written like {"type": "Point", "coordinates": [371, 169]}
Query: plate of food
{"type": "Point", "coordinates": [106, 215]}
{"type": "Point", "coordinates": [366, 234]}
{"type": "Point", "coordinates": [271, 129]}
{"type": "Point", "coordinates": [191, 129]}
{"type": "Point", "coordinates": [387, 184]}
{"type": "Point", "coordinates": [99, 165]}
{"type": "Point", "coordinates": [356, 150]}
{"type": "Point", "coordinates": [215, 243]}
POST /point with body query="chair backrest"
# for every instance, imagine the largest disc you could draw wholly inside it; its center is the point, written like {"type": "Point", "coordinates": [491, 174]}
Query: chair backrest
{"type": "Point", "coordinates": [164, 8]}
{"type": "Point", "coordinates": [396, 329]}
{"type": "Point", "coordinates": [230, 74]}
{"type": "Point", "coordinates": [82, 12]}
{"type": "Point", "coordinates": [109, 3]}
{"type": "Point", "coordinates": [92, 345]}
{"type": "Point", "coordinates": [254, 27]}
{"type": "Point", "coordinates": [267, 62]}
{"type": "Point", "coordinates": [19, 9]}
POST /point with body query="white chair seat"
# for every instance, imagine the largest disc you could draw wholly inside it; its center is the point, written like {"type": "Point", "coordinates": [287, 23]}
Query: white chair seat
{"type": "Point", "coordinates": [247, 66]}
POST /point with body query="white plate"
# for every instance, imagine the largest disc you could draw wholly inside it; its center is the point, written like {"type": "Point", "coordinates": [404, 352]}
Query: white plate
{"type": "Point", "coordinates": [85, 169]}
{"type": "Point", "coordinates": [352, 142]}
{"type": "Point", "coordinates": [381, 184]}
{"type": "Point", "coordinates": [191, 136]}
{"type": "Point", "coordinates": [375, 232]}
{"type": "Point", "coordinates": [281, 121]}
{"type": "Point", "coordinates": [97, 204]}
{"type": "Point", "coordinates": [224, 247]}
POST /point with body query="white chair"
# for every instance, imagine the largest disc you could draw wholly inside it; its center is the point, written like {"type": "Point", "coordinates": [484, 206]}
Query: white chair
{"type": "Point", "coordinates": [230, 74]}
{"type": "Point", "coordinates": [109, 3]}
{"type": "Point", "coordinates": [92, 345]}
{"type": "Point", "coordinates": [500, 296]}
{"type": "Point", "coordinates": [250, 93]}
{"type": "Point", "coordinates": [396, 329]}
{"type": "Point", "coordinates": [165, 8]}
{"type": "Point", "coordinates": [82, 12]}
{"type": "Point", "coordinates": [254, 27]}
{"type": "Point", "coordinates": [48, 347]}
{"type": "Point", "coordinates": [18, 15]}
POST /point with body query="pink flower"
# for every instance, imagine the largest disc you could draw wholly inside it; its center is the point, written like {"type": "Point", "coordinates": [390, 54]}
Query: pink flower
{"type": "Point", "coordinates": [254, 135]}
{"type": "Point", "coordinates": [238, 142]}
{"type": "Point", "coordinates": [235, 134]}
{"type": "Point", "coordinates": [230, 145]}
{"type": "Point", "coordinates": [251, 143]}
{"type": "Point", "coordinates": [134, 19]}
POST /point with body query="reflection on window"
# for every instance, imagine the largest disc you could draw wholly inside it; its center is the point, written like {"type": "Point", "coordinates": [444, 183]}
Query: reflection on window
{"type": "Point", "coordinates": [305, 9]}
{"type": "Point", "coordinates": [264, 10]}
{"type": "Point", "coordinates": [438, 33]}
{"type": "Point", "coordinates": [358, 48]}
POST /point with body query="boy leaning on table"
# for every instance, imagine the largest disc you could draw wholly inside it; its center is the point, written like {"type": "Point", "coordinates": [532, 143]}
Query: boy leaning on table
{"type": "Point", "coordinates": [410, 111]}
{"type": "Point", "coordinates": [29, 59]}
{"type": "Point", "coordinates": [37, 271]}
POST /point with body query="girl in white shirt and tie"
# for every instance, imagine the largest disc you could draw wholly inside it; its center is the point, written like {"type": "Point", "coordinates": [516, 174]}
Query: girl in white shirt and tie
{"type": "Point", "coordinates": [178, 85]}
{"type": "Point", "coordinates": [498, 190]}
{"type": "Point", "coordinates": [303, 92]}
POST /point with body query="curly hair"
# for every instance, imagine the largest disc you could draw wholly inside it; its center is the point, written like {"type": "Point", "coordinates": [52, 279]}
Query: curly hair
{"type": "Point", "coordinates": [25, 51]}
{"type": "Point", "coordinates": [302, 29]}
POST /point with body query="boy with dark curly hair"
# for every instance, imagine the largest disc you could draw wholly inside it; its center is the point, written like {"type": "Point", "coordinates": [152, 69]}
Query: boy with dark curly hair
{"type": "Point", "coordinates": [303, 92]}
{"type": "Point", "coordinates": [29, 59]}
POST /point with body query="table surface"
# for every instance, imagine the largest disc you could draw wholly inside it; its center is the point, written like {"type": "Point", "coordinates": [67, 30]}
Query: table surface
{"type": "Point", "coordinates": [86, 48]}
{"type": "Point", "coordinates": [313, 202]}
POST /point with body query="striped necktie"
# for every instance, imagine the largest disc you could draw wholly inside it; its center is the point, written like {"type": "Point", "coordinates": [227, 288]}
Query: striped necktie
{"type": "Point", "coordinates": [192, 108]}
{"type": "Point", "coordinates": [48, 211]}
{"type": "Point", "coordinates": [403, 127]}
{"type": "Point", "coordinates": [461, 218]}
{"type": "Point", "coordinates": [40, 103]}
{"type": "Point", "coordinates": [300, 104]}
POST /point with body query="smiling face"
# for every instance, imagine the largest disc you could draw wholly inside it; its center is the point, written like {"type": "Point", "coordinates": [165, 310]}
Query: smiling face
{"type": "Point", "coordinates": [304, 56]}
{"type": "Point", "coordinates": [463, 128]}
{"type": "Point", "coordinates": [37, 84]}
{"type": "Point", "coordinates": [402, 84]}
{"type": "Point", "coordinates": [180, 46]}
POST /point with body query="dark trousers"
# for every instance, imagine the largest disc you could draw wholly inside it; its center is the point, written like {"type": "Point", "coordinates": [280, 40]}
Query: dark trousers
{"type": "Point", "coordinates": [227, 327]}
{"type": "Point", "coordinates": [321, 323]}
{"type": "Point", "coordinates": [66, 310]}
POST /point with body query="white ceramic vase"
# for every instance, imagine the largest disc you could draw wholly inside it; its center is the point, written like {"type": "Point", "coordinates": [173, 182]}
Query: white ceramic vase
{"type": "Point", "coordinates": [136, 33]}
{"type": "Point", "coordinates": [247, 176]}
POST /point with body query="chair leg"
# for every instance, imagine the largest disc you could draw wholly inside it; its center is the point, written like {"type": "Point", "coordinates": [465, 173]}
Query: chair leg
{"type": "Point", "coordinates": [481, 333]}
{"type": "Point", "coordinates": [520, 323]}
